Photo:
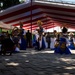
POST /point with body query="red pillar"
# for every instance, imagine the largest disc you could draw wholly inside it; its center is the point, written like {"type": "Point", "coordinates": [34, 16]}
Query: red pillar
{"type": "Point", "coordinates": [31, 16]}
{"type": "Point", "coordinates": [31, 22]}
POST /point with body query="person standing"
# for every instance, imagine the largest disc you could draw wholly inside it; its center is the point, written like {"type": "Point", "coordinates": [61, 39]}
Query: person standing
{"type": "Point", "coordinates": [48, 40]}
{"type": "Point", "coordinates": [22, 37]}
{"type": "Point", "coordinates": [28, 38]}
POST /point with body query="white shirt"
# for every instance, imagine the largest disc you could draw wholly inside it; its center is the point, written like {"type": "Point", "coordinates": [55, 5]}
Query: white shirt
{"type": "Point", "coordinates": [52, 43]}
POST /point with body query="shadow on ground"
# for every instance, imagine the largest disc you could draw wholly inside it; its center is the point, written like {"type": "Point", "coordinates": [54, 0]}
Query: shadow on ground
{"type": "Point", "coordinates": [33, 62]}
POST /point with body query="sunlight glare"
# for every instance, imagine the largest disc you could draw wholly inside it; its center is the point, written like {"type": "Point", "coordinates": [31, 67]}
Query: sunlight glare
{"type": "Point", "coordinates": [13, 64]}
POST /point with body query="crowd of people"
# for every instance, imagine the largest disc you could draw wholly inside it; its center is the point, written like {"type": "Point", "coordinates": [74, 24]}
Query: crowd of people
{"type": "Point", "coordinates": [20, 39]}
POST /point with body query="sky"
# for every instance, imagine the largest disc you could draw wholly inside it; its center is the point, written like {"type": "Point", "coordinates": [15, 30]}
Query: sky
{"type": "Point", "coordinates": [64, 0]}
{"type": "Point", "coordinates": [69, 0]}
{"type": "Point", "coordinates": [58, 0]}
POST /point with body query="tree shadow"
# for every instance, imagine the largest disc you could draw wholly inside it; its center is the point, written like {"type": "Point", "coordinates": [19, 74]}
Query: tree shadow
{"type": "Point", "coordinates": [43, 62]}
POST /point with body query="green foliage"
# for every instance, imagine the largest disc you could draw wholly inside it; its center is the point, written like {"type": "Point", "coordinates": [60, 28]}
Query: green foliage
{"type": "Point", "coordinates": [0, 30]}
{"type": "Point", "coordinates": [21, 1]}
{"type": "Point", "coordinates": [8, 3]}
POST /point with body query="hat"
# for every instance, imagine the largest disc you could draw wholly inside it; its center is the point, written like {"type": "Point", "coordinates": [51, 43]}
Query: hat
{"type": "Point", "coordinates": [71, 33]}
{"type": "Point", "coordinates": [39, 22]}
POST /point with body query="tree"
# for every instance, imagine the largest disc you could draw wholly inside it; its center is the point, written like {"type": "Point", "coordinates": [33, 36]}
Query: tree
{"type": "Point", "coordinates": [8, 3]}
